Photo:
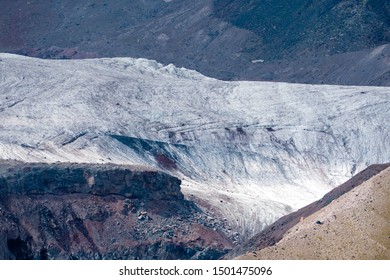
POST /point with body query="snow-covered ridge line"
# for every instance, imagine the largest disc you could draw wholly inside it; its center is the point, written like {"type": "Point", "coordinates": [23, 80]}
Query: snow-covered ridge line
{"type": "Point", "coordinates": [142, 65]}
{"type": "Point", "coordinates": [252, 151]}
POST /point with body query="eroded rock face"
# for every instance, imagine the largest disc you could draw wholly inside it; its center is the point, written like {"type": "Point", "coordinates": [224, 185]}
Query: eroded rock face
{"type": "Point", "coordinates": [59, 212]}
{"type": "Point", "coordinates": [41, 178]}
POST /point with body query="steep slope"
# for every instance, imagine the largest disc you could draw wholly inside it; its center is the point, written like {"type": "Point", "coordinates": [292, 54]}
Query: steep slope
{"type": "Point", "coordinates": [247, 152]}
{"type": "Point", "coordinates": [90, 211]}
{"type": "Point", "coordinates": [275, 232]}
{"type": "Point", "coordinates": [327, 41]}
{"type": "Point", "coordinates": [353, 226]}
{"type": "Point", "coordinates": [306, 26]}
{"type": "Point", "coordinates": [228, 40]}
{"type": "Point", "coordinates": [367, 67]}
{"type": "Point", "coordinates": [182, 32]}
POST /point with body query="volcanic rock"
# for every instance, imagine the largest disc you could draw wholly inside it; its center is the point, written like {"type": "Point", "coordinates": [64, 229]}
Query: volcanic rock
{"type": "Point", "coordinates": [52, 211]}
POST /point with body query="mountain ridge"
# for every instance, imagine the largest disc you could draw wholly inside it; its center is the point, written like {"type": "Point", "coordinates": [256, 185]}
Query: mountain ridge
{"type": "Point", "coordinates": [277, 231]}
{"type": "Point", "coordinates": [354, 225]}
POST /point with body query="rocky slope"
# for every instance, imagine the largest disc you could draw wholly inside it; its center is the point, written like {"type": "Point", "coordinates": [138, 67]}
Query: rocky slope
{"type": "Point", "coordinates": [79, 211]}
{"type": "Point", "coordinates": [351, 222]}
{"type": "Point", "coordinates": [248, 152]}
{"type": "Point", "coordinates": [305, 26]}
{"type": "Point", "coordinates": [296, 41]}
{"type": "Point", "coordinates": [366, 67]}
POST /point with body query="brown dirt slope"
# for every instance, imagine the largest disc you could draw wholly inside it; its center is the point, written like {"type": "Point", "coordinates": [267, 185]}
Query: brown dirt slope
{"type": "Point", "coordinates": [355, 225]}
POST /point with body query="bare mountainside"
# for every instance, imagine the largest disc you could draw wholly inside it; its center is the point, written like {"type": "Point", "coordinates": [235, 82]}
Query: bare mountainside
{"type": "Point", "coordinates": [295, 41]}
{"type": "Point", "coordinates": [306, 26]}
{"type": "Point", "coordinates": [275, 232]}
{"type": "Point", "coordinates": [355, 225]}
{"type": "Point", "coordinates": [247, 152]}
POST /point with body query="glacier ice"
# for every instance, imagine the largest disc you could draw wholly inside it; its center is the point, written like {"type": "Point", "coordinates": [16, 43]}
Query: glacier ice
{"type": "Point", "coordinates": [249, 152]}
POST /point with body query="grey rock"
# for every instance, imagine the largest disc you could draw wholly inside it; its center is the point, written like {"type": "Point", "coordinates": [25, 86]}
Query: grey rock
{"type": "Point", "coordinates": [298, 41]}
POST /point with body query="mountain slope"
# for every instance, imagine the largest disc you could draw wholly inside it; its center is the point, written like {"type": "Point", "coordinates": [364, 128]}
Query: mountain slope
{"type": "Point", "coordinates": [305, 26]}
{"type": "Point", "coordinates": [230, 40]}
{"type": "Point", "coordinates": [353, 226]}
{"type": "Point", "coordinates": [275, 232]}
{"type": "Point", "coordinates": [181, 32]}
{"type": "Point", "coordinates": [248, 152]}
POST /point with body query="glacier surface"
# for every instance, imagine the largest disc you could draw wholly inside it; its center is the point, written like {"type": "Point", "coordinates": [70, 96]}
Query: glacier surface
{"type": "Point", "coordinates": [247, 152]}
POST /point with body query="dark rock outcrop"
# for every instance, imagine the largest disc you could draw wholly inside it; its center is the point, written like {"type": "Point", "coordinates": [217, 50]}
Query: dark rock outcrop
{"type": "Point", "coordinates": [89, 211]}
{"type": "Point", "coordinates": [41, 178]}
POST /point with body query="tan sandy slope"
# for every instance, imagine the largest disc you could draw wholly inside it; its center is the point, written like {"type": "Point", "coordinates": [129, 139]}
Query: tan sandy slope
{"type": "Point", "coordinates": [354, 226]}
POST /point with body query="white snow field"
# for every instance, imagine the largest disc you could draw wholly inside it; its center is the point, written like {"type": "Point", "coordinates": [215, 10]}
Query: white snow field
{"type": "Point", "coordinates": [249, 152]}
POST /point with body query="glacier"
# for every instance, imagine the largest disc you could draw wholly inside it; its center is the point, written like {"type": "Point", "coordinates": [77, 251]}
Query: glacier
{"type": "Point", "coordinates": [246, 152]}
